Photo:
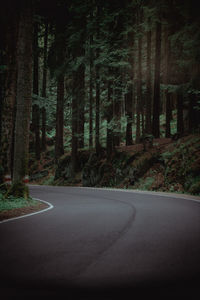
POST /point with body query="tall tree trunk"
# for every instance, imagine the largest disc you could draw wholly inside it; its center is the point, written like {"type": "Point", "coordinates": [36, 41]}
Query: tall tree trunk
{"type": "Point", "coordinates": [139, 89]}
{"type": "Point", "coordinates": [91, 95]}
{"type": "Point", "coordinates": [109, 139]}
{"type": "Point", "coordinates": [117, 115]}
{"type": "Point", "coordinates": [180, 126]}
{"type": "Point", "coordinates": [168, 115]}
{"type": "Point", "coordinates": [128, 107]}
{"type": "Point", "coordinates": [193, 114]}
{"type": "Point", "coordinates": [60, 51]}
{"type": "Point", "coordinates": [36, 109]}
{"type": "Point", "coordinates": [166, 81]}
{"type": "Point", "coordinates": [129, 95]}
{"type": "Point", "coordinates": [148, 85]}
{"type": "Point", "coordinates": [24, 86]}
{"type": "Point", "coordinates": [44, 84]}
{"type": "Point", "coordinates": [97, 69]}
{"type": "Point", "coordinates": [59, 147]}
{"type": "Point", "coordinates": [156, 97]}
{"type": "Point", "coordinates": [81, 106]}
{"type": "Point", "coordinates": [74, 152]}
{"type": "Point", "coordinates": [81, 85]}
{"type": "Point", "coordinates": [8, 107]}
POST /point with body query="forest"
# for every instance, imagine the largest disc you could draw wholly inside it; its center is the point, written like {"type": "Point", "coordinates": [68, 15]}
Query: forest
{"type": "Point", "coordinates": [100, 93]}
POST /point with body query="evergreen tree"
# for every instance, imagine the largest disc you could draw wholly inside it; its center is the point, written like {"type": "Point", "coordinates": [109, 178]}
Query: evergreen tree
{"type": "Point", "coordinates": [44, 85]}
{"type": "Point", "coordinates": [9, 95]}
{"type": "Point", "coordinates": [35, 108]}
{"type": "Point", "coordinates": [156, 97]}
{"type": "Point", "coordinates": [24, 87]}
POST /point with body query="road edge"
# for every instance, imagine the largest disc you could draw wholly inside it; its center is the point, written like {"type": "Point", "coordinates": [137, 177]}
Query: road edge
{"type": "Point", "coordinates": [30, 214]}
{"type": "Point", "coordinates": [161, 194]}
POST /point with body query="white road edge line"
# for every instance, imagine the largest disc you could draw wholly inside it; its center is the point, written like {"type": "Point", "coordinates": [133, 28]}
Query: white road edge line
{"type": "Point", "coordinates": [32, 214]}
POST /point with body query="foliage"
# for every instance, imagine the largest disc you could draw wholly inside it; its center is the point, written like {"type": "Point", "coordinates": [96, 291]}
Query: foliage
{"type": "Point", "coordinates": [12, 202]}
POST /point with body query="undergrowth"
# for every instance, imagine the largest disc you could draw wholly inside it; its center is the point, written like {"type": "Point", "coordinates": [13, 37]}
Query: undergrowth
{"type": "Point", "coordinates": [11, 202]}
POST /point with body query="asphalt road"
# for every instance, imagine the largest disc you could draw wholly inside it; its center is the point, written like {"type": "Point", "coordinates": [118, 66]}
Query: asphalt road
{"type": "Point", "coordinates": [101, 243]}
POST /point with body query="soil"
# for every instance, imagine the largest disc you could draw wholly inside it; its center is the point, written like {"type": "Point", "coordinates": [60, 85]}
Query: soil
{"type": "Point", "coordinates": [12, 213]}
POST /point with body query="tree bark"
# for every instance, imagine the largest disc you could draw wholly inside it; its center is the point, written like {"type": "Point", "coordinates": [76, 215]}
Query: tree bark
{"type": "Point", "coordinates": [60, 52]}
{"type": "Point", "coordinates": [24, 87]}
{"type": "Point", "coordinates": [129, 95]}
{"type": "Point", "coordinates": [44, 83]}
{"type": "Point", "coordinates": [81, 106]}
{"type": "Point", "coordinates": [36, 109]}
{"type": "Point", "coordinates": [117, 115]}
{"type": "Point", "coordinates": [9, 101]}
{"type": "Point", "coordinates": [180, 126]}
{"type": "Point", "coordinates": [97, 69]}
{"type": "Point", "coordinates": [139, 90]}
{"type": "Point", "coordinates": [109, 139]}
{"type": "Point", "coordinates": [59, 147]}
{"type": "Point", "coordinates": [74, 147]}
{"type": "Point", "coordinates": [148, 85]}
{"type": "Point", "coordinates": [91, 95]}
{"type": "Point", "coordinates": [166, 81]}
{"type": "Point", "coordinates": [128, 108]}
{"type": "Point", "coordinates": [168, 115]}
{"type": "Point", "coordinates": [156, 97]}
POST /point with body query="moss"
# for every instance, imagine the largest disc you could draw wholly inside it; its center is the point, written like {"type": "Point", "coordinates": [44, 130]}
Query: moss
{"type": "Point", "coordinates": [18, 190]}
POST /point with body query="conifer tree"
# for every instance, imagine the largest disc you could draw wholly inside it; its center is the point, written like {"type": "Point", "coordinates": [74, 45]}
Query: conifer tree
{"type": "Point", "coordinates": [24, 92]}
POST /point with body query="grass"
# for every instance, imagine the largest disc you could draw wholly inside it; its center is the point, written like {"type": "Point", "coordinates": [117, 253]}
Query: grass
{"type": "Point", "coordinates": [12, 203]}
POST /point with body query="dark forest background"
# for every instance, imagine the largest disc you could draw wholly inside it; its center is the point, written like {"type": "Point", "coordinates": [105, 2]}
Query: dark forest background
{"type": "Point", "coordinates": [80, 79]}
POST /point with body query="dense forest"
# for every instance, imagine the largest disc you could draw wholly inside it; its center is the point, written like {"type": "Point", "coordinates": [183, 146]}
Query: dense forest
{"type": "Point", "coordinates": [82, 80]}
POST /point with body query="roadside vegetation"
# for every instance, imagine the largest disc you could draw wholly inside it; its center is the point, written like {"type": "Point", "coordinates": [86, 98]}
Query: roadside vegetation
{"type": "Point", "coordinates": [10, 202]}
{"type": "Point", "coordinates": [11, 206]}
{"type": "Point", "coordinates": [169, 166]}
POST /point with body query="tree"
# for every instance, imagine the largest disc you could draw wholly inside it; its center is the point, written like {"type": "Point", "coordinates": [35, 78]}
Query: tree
{"type": "Point", "coordinates": [139, 79]}
{"type": "Point", "coordinates": [44, 84]}
{"type": "Point", "coordinates": [9, 95]}
{"type": "Point", "coordinates": [167, 81]}
{"type": "Point", "coordinates": [109, 114]}
{"type": "Point", "coordinates": [60, 52]}
{"type": "Point", "coordinates": [97, 84]}
{"type": "Point", "coordinates": [129, 93]}
{"type": "Point", "coordinates": [74, 146]}
{"type": "Point", "coordinates": [91, 84]}
{"type": "Point", "coordinates": [24, 86]}
{"type": "Point", "coordinates": [180, 126]}
{"type": "Point", "coordinates": [148, 81]}
{"type": "Point", "coordinates": [156, 96]}
{"type": "Point", "coordinates": [59, 146]}
{"type": "Point", "coordinates": [36, 108]}
{"type": "Point", "coordinates": [81, 83]}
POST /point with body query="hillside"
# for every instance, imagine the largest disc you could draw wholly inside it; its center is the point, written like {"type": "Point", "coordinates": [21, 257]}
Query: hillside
{"type": "Point", "coordinates": [166, 166]}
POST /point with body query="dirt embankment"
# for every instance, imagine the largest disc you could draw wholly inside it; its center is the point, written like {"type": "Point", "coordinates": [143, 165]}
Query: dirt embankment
{"type": "Point", "coordinates": [171, 166]}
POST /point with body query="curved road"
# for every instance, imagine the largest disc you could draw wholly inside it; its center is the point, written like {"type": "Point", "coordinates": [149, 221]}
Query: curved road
{"type": "Point", "coordinates": [102, 242]}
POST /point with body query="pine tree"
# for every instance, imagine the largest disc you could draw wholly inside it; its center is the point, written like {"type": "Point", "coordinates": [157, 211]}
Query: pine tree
{"type": "Point", "coordinates": [139, 81]}
{"type": "Point", "coordinates": [24, 86]}
{"type": "Point", "coordinates": [44, 84]}
{"type": "Point", "coordinates": [167, 81]}
{"type": "Point", "coordinates": [156, 97]}
{"type": "Point", "coordinates": [60, 52]}
{"type": "Point", "coordinates": [35, 108]}
{"type": "Point", "coordinates": [9, 97]}
{"type": "Point", "coordinates": [148, 81]}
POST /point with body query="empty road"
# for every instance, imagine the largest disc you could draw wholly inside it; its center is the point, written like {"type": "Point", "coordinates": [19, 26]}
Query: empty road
{"type": "Point", "coordinates": [102, 243]}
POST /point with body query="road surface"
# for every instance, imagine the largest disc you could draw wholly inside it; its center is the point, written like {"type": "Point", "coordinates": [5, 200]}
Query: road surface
{"type": "Point", "coordinates": [102, 242]}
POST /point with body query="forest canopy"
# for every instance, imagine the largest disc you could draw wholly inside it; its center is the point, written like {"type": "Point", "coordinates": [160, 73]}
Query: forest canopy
{"type": "Point", "coordinates": [95, 74]}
